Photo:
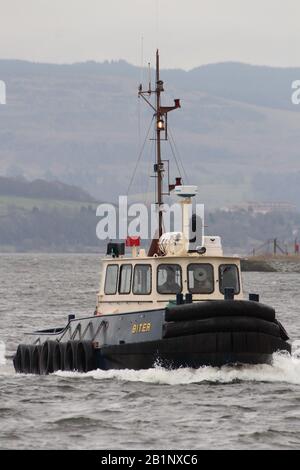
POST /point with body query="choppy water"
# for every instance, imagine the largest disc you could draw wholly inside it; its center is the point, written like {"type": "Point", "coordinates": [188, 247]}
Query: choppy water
{"type": "Point", "coordinates": [247, 407]}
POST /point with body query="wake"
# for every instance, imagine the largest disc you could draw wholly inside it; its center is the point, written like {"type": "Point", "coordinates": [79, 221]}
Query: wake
{"type": "Point", "coordinates": [285, 368]}
{"type": "Point", "coordinates": [2, 353]}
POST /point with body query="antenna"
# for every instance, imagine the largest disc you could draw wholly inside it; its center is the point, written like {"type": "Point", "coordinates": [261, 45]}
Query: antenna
{"type": "Point", "coordinates": [149, 77]}
{"type": "Point", "coordinates": [141, 81]}
{"type": "Point", "coordinates": [142, 57]}
{"type": "Point", "coordinates": [157, 23]}
{"type": "Point", "coordinates": [160, 114]}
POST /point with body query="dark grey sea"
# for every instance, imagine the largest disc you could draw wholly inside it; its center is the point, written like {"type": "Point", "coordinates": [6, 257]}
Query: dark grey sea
{"type": "Point", "coordinates": [250, 407]}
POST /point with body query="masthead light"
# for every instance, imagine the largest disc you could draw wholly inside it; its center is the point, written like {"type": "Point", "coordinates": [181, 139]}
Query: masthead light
{"type": "Point", "coordinates": [161, 124]}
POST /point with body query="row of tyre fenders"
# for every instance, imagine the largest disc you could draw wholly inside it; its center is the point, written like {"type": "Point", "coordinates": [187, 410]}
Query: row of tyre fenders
{"type": "Point", "coordinates": [53, 355]}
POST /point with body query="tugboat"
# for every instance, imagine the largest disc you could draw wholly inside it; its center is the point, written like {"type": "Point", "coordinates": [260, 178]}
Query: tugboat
{"type": "Point", "coordinates": [180, 304]}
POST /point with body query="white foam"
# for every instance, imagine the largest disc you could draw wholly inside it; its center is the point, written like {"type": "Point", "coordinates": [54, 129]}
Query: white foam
{"type": "Point", "coordinates": [2, 353]}
{"type": "Point", "coordinates": [285, 368]}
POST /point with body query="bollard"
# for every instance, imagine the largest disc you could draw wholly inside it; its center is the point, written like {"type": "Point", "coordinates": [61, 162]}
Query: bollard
{"type": "Point", "coordinates": [254, 297]}
{"type": "Point", "coordinates": [229, 293]}
{"type": "Point", "coordinates": [188, 298]}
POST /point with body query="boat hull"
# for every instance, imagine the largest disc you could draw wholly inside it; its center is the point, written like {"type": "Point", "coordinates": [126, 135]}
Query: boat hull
{"type": "Point", "coordinates": [206, 349]}
{"type": "Point", "coordinates": [192, 335]}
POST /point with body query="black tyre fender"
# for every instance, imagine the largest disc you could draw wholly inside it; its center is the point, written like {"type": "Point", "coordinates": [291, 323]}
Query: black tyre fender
{"type": "Point", "coordinates": [25, 352]}
{"type": "Point", "coordinates": [220, 324]}
{"type": "Point", "coordinates": [59, 352]}
{"type": "Point", "coordinates": [46, 357]}
{"type": "Point", "coordinates": [219, 308]}
{"type": "Point", "coordinates": [70, 359]}
{"type": "Point", "coordinates": [17, 359]}
{"type": "Point", "coordinates": [86, 356]}
{"type": "Point", "coordinates": [35, 358]}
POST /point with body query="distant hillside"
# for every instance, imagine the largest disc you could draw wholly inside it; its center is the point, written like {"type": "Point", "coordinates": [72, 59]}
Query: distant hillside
{"type": "Point", "coordinates": [33, 225]}
{"type": "Point", "coordinates": [42, 189]}
{"type": "Point", "coordinates": [49, 229]}
{"type": "Point", "coordinates": [55, 217]}
{"type": "Point", "coordinates": [237, 131]}
{"type": "Point", "coordinates": [46, 216]}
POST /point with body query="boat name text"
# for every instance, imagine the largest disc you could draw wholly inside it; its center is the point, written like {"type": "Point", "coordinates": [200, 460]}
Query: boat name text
{"type": "Point", "coordinates": [141, 328]}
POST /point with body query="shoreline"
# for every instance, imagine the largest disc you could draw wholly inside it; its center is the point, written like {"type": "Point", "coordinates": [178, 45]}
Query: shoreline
{"type": "Point", "coordinates": [271, 263]}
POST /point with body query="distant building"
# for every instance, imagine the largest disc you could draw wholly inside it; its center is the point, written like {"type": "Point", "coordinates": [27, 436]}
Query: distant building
{"type": "Point", "coordinates": [262, 207]}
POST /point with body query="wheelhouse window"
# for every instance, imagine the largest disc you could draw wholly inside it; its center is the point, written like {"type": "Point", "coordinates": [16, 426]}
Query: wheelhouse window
{"type": "Point", "coordinates": [111, 279]}
{"type": "Point", "coordinates": [200, 278]}
{"type": "Point", "coordinates": [169, 279]}
{"type": "Point", "coordinates": [229, 277]}
{"type": "Point", "coordinates": [125, 279]}
{"type": "Point", "coordinates": [142, 279]}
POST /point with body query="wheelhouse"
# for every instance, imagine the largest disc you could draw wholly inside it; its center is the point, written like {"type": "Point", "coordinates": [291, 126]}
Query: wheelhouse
{"type": "Point", "coordinates": [151, 283]}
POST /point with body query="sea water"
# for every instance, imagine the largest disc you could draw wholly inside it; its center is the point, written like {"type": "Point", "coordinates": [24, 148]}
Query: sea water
{"type": "Point", "coordinates": [245, 407]}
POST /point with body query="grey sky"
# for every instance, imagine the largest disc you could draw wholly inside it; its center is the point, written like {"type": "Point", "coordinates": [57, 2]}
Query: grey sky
{"type": "Point", "coordinates": [188, 32]}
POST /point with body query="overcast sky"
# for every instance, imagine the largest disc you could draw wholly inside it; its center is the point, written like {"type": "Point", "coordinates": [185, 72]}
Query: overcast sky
{"type": "Point", "coordinates": [188, 32]}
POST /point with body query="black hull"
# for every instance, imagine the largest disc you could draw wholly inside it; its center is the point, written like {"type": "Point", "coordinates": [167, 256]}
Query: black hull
{"type": "Point", "coordinates": [208, 349]}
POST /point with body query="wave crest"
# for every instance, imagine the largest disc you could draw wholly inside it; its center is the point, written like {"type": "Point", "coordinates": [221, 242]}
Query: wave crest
{"type": "Point", "coordinates": [285, 368]}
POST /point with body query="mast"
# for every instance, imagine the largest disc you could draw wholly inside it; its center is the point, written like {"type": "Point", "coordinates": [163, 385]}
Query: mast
{"type": "Point", "coordinates": [159, 198]}
{"type": "Point", "coordinates": [160, 113]}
